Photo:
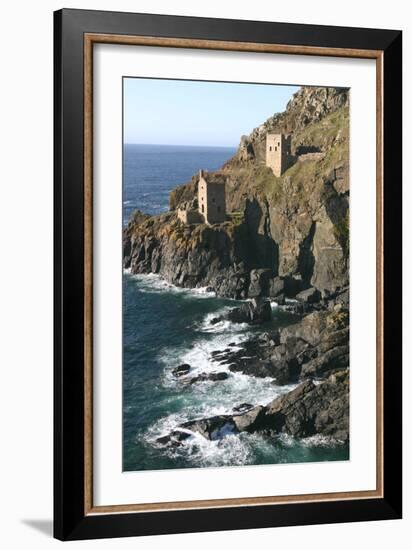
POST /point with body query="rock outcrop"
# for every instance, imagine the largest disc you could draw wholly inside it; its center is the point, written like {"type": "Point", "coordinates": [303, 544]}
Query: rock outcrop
{"type": "Point", "coordinates": [295, 227]}
{"type": "Point", "coordinates": [207, 377]}
{"type": "Point", "coordinates": [315, 347]}
{"type": "Point", "coordinates": [308, 106]}
{"type": "Point", "coordinates": [254, 312]}
{"type": "Point", "coordinates": [181, 370]}
{"type": "Point", "coordinates": [195, 256]}
{"type": "Point", "coordinates": [307, 410]}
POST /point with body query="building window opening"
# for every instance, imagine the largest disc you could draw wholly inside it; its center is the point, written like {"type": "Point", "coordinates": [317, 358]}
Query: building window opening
{"type": "Point", "coordinates": [218, 209]}
{"type": "Point", "coordinates": [203, 208]}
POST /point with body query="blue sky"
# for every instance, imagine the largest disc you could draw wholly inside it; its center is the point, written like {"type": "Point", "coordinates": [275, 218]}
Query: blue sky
{"type": "Point", "coordinates": [177, 112]}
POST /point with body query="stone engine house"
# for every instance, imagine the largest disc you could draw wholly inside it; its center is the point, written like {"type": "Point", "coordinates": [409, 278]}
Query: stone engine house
{"type": "Point", "coordinates": [211, 199]}
{"type": "Point", "coordinates": [278, 153]}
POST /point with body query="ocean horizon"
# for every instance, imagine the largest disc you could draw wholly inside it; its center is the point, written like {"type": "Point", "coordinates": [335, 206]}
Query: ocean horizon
{"type": "Point", "coordinates": [150, 172]}
{"type": "Point", "coordinates": [183, 145]}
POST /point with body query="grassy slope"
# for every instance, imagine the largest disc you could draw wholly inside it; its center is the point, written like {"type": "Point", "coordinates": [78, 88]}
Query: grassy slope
{"type": "Point", "coordinates": [330, 135]}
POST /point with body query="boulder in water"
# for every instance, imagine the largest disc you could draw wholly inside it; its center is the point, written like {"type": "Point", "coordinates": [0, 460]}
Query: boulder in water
{"type": "Point", "coordinates": [181, 370]}
{"type": "Point", "coordinates": [254, 312]}
{"type": "Point", "coordinates": [211, 376]}
{"type": "Point", "coordinates": [307, 410]}
{"type": "Point", "coordinates": [213, 428]}
{"type": "Point", "coordinates": [249, 421]}
{"type": "Point", "coordinates": [309, 296]}
{"type": "Point", "coordinates": [243, 407]}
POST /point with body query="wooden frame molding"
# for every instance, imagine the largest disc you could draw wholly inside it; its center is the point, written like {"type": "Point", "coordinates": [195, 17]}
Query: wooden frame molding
{"type": "Point", "coordinates": [93, 38]}
{"type": "Point", "coordinates": [76, 517]}
{"type": "Point", "coordinates": [189, 43]}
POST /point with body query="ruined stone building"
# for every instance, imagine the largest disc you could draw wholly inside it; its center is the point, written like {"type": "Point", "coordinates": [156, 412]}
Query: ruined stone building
{"type": "Point", "coordinates": [211, 199]}
{"type": "Point", "coordinates": [189, 216]}
{"type": "Point", "coordinates": [278, 153]}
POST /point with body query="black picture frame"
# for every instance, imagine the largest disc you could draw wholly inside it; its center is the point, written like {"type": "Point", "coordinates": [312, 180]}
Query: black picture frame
{"type": "Point", "coordinates": [70, 520]}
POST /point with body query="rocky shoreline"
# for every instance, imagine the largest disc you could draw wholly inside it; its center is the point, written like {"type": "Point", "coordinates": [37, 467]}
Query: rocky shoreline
{"type": "Point", "coordinates": [286, 240]}
{"type": "Point", "coordinates": [313, 354]}
{"type": "Point", "coordinates": [310, 409]}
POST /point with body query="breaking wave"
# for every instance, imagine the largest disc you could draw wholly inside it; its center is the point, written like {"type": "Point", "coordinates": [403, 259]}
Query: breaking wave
{"type": "Point", "coordinates": [154, 283]}
{"type": "Point", "coordinates": [178, 402]}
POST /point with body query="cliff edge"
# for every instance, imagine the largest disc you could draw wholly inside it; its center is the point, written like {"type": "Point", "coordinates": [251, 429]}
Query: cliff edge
{"type": "Point", "coordinates": [291, 230]}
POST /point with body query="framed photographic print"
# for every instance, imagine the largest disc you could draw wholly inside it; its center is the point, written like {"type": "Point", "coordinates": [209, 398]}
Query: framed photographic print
{"type": "Point", "coordinates": [227, 274]}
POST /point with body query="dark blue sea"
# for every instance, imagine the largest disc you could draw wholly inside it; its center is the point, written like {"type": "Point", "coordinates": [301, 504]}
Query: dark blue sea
{"type": "Point", "coordinates": [151, 171]}
{"type": "Point", "coordinates": [164, 326]}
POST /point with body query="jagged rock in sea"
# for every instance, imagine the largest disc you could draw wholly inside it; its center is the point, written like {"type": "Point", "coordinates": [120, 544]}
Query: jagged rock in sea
{"type": "Point", "coordinates": [312, 409]}
{"type": "Point", "coordinates": [254, 312]}
{"type": "Point", "coordinates": [243, 407]}
{"type": "Point", "coordinates": [309, 295]}
{"type": "Point", "coordinates": [207, 377]}
{"type": "Point", "coordinates": [195, 256]}
{"type": "Point", "coordinates": [181, 370]}
{"type": "Point", "coordinates": [309, 409]}
{"type": "Point", "coordinates": [316, 346]}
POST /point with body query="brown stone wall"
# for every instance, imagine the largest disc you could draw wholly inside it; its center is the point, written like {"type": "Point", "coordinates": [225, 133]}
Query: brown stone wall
{"type": "Point", "coordinates": [202, 196]}
{"type": "Point", "coordinates": [189, 216]}
{"type": "Point", "coordinates": [212, 201]}
{"type": "Point", "coordinates": [274, 153]}
{"type": "Point", "coordinates": [278, 153]}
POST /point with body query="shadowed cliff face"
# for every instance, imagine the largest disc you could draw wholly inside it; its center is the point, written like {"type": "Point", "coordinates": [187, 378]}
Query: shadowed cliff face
{"type": "Point", "coordinates": [216, 256]}
{"type": "Point", "coordinates": [294, 226]}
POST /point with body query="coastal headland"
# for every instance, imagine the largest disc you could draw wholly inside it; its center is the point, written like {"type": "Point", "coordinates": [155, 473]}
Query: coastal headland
{"type": "Point", "coordinates": [284, 241]}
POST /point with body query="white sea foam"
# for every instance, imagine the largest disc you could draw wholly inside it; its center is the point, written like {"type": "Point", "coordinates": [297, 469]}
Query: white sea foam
{"type": "Point", "coordinates": [199, 355]}
{"type": "Point", "coordinates": [232, 450]}
{"type": "Point", "coordinates": [154, 283]}
{"type": "Point", "coordinates": [224, 326]}
{"type": "Point", "coordinates": [207, 399]}
{"type": "Point", "coordinates": [229, 450]}
{"type": "Point", "coordinates": [320, 440]}
{"type": "Point", "coordinates": [317, 440]}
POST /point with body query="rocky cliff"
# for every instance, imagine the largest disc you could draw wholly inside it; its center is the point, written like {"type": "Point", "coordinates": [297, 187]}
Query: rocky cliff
{"type": "Point", "coordinates": [285, 237]}
{"type": "Point", "coordinates": [294, 227]}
